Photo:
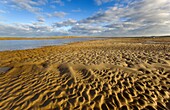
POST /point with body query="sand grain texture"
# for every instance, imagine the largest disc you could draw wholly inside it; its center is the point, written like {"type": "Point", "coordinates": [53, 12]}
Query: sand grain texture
{"type": "Point", "coordinates": [108, 74]}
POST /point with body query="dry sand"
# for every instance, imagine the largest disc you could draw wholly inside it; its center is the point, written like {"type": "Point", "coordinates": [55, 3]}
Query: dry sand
{"type": "Point", "coordinates": [107, 74]}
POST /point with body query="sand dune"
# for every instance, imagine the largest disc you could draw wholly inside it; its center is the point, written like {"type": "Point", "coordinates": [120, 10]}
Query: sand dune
{"type": "Point", "coordinates": [105, 74]}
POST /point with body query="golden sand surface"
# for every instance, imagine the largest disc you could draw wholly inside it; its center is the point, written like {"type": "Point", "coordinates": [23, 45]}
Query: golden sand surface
{"type": "Point", "coordinates": [126, 74]}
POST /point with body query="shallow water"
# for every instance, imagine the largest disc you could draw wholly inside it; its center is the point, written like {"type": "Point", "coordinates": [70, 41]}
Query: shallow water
{"type": "Point", "coordinates": [29, 44]}
{"type": "Point", "coordinates": [153, 42]}
{"type": "Point", "coordinates": [4, 69]}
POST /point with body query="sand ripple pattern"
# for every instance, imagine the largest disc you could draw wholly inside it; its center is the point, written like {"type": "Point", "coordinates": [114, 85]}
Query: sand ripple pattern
{"type": "Point", "coordinates": [70, 86]}
{"type": "Point", "coordinates": [115, 74]}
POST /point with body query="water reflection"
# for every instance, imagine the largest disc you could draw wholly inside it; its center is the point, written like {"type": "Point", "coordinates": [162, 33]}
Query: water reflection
{"type": "Point", "coordinates": [29, 44]}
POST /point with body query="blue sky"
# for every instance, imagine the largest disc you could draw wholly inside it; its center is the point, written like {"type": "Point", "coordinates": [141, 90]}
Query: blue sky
{"type": "Point", "coordinates": [84, 17]}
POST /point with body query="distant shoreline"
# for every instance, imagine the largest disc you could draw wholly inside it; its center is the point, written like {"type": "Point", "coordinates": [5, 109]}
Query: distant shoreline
{"type": "Point", "coordinates": [45, 38]}
{"type": "Point", "coordinates": [70, 37]}
{"type": "Point", "coordinates": [31, 38]}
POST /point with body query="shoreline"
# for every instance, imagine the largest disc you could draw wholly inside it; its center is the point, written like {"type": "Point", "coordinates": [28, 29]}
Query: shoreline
{"type": "Point", "coordinates": [69, 42]}
{"type": "Point", "coordinates": [145, 41]}
{"type": "Point", "coordinates": [70, 37]}
{"type": "Point", "coordinates": [46, 38]}
{"type": "Point", "coordinates": [102, 74]}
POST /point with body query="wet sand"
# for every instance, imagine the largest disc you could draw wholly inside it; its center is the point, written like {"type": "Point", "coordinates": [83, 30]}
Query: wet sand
{"type": "Point", "coordinates": [106, 74]}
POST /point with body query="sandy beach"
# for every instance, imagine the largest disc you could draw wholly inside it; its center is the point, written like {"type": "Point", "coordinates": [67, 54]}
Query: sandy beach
{"type": "Point", "coordinates": [118, 73]}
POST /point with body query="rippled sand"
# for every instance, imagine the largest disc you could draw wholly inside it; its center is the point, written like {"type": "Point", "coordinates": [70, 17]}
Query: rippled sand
{"type": "Point", "coordinates": [107, 74]}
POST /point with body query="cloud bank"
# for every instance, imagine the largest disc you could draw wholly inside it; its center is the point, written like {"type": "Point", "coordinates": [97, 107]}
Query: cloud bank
{"type": "Point", "coordinates": [132, 18]}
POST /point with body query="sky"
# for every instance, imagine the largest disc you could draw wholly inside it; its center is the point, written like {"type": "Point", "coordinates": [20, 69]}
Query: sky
{"type": "Point", "coordinates": [110, 18]}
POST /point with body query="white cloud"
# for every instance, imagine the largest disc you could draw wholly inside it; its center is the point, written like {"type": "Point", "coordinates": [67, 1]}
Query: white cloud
{"type": "Point", "coordinates": [58, 2]}
{"type": "Point", "coordinates": [86, 29]}
{"type": "Point", "coordinates": [2, 11]}
{"type": "Point", "coordinates": [68, 22]}
{"type": "Point", "coordinates": [41, 19]}
{"type": "Point", "coordinates": [146, 17]}
{"type": "Point", "coordinates": [4, 1]}
{"type": "Point", "coordinates": [58, 14]}
{"type": "Point", "coordinates": [100, 2]}
{"type": "Point", "coordinates": [29, 5]}
{"type": "Point", "coordinates": [34, 29]}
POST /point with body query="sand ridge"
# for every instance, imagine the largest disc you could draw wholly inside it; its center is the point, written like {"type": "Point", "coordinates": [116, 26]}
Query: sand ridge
{"type": "Point", "coordinates": [90, 75]}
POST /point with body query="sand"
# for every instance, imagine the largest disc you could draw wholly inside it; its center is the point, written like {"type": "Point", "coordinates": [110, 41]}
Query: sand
{"type": "Point", "coordinates": [106, 74]}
